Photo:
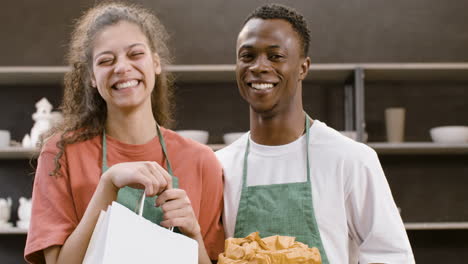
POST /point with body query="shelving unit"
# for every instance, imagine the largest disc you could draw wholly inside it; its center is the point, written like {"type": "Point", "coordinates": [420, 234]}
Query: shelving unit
{"type": "Point", "coordinates": [18, 153]}
{"type": "Point", "coordinates": [13, 231]}
{"type": "Point", "coordinates": [418, 148]}
{"type": "Point", "coordinates": [408, 226]}
{"type": "Point", "coordinates": [184, 73]}
{"type": "Point", "coordinates": [436, 226]}
{"type": "Point", "coordinates": [415, 71]}
{"type": "Point", "coordinates": [353, 77]}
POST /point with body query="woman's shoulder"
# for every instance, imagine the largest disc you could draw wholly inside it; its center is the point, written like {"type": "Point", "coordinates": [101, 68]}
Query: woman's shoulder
{"type": "Point", "coordinates": [51, 144]}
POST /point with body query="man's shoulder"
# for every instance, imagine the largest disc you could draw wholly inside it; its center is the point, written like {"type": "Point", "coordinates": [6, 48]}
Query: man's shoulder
{"type": "Point", "coordinates": [331, 142]}
{"type": "Point", "coordinates": [227, 153]}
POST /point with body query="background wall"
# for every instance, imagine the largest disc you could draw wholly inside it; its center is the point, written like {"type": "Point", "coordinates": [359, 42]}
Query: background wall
{"type": "Point", "coordinates": [427, 188]}
{"type": "Point", "coordinates": [204, 31]}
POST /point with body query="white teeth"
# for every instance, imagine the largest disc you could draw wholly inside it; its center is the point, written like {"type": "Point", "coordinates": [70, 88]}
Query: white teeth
{"type": "Point", "coordinates": [262, 86]}
{"type": "Point", "coordinates": [126, 84]}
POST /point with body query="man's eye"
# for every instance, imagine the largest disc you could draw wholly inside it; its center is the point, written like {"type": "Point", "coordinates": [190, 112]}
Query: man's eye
{"type": "Point", "coordinates": [276, 57]}
{"type": "Point", "coordinates": [245, 56]}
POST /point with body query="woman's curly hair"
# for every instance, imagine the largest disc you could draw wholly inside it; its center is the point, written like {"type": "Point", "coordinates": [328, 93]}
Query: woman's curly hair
{"type": "Point", "coordinates": [84, 110]}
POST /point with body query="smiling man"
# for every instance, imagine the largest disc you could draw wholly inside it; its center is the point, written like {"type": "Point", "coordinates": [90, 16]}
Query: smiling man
{"type": "Point", "coordinates": [295, 176]}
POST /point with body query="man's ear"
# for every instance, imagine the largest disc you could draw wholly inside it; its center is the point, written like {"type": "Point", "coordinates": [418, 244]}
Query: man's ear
{"type": "Point", "coordinates": [305, 65]}
{"type": "Point", "coordinates": [157, 63]}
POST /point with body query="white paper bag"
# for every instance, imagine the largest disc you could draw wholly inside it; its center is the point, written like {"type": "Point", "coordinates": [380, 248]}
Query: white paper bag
{"type": "Point", "coordinates": [121, 236]}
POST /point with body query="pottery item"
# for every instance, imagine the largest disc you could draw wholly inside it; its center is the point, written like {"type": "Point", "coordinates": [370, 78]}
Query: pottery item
{"type": "Point", "coordinates": [4, 138]}
{"type": "Point", "coordinates": [200, 136]}
{"type": "Point", "coordinates": [449, 134]}
{"type": "Point", "coordinates": [5, 210]}
{"type": "Point", "coordinates": [395, 124]}
{"type": "Point", "coordinates": [231, 137]}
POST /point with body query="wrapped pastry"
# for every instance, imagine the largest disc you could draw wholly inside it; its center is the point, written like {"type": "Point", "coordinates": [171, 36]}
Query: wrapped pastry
{"type": "Point", "coordinates": [270, 250]}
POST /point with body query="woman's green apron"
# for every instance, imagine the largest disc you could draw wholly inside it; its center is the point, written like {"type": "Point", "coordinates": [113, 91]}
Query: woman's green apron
{"type": "Point", "coordinates": [279, 209]}
{"type": "Point", "coordinates": [129, 197]}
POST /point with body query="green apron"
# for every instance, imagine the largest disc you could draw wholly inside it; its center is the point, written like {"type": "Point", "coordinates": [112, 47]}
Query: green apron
{"type": "Point", "coordinates": [130, 197]}
{"type": "Point", "coordinates": [279, 209]}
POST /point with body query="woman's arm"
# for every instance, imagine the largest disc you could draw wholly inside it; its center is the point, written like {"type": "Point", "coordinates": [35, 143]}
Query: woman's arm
{"type": "Point", "coordinates": [178, 212]}
{"type": "Point", "coordinates": [144, 175]}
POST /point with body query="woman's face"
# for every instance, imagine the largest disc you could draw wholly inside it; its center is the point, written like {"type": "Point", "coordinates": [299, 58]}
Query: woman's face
{"type": "Point", "coordinates": [124, 67]}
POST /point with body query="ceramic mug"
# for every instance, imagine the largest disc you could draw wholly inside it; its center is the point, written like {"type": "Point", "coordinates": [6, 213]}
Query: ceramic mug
{"type": "Point", "coordinates": [395, 124]}
{"type": "Point", "coordinates": [5, 209]}
{"type": "Point", "coordinates": [4, 138]}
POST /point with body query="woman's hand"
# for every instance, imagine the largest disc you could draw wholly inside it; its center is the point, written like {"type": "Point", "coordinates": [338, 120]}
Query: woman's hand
{"type": "Point", "coordinates": [178, 211]}
{"type": "Point", "coordinates": [148, 175]}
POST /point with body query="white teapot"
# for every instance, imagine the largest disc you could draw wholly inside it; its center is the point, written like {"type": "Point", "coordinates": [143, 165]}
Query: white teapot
{"type": "Point", "coordinates": [24, 213]}
{"type": "Point", "coordinates": [5, 211]}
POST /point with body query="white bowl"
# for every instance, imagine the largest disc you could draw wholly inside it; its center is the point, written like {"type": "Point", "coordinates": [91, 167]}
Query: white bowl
{"type": "Point", "coordinates": [231, 137]}
{"type": "Point", "coordinates": [200, 136]}
{"type": "Point", "coordinates": [449, 134]}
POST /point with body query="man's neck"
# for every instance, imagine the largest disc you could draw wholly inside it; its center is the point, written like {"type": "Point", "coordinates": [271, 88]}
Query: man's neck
{"type": "Point", "coordinates": [277, 129]}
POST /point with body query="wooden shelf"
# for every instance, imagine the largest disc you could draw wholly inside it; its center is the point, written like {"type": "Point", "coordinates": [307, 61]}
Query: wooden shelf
{"type": "Point", "coordinates": [18, 153]}
{"type": "Point", "coordinates": [183, 73]}
{"type": "Point", "coordinates": [408, 226]}
{"type": "Point", "coordinates": [418, 148]}
{"type": "Point", "coordinates": [436, 225]}
{"type": "Point", "coordinates": [325, 72]}
{"type": "Point", "coordinates": [216, 147]}
{"type": "Point", "coordinates": [379, 147]}
{"type": "Point", "coordinates": [415, 71]}
{"type": "Point", "coordinates": [12, 231]}
{"type": "Point", "coordinates": [32, 75]}
{"type": "Point", "coordinates": [405, 148]}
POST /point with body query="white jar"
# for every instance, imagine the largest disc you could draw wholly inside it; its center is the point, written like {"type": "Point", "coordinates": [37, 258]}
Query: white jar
{"type": "Point", "coordinates": [4, 138]}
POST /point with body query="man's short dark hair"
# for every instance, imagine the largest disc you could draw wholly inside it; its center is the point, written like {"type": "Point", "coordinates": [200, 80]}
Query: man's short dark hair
{"type": "Point", "coordinates": [277, 11]}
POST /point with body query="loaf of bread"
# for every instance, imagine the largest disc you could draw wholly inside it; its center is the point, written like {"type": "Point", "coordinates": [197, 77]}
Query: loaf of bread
{"type": "Point", "coordinates": [270, 250]}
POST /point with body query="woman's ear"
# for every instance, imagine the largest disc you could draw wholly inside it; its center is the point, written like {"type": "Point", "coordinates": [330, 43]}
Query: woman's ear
{"type": "Point", "coordinates": [93, 82]}
{"type": "Point", "coordinates": [157, 63]}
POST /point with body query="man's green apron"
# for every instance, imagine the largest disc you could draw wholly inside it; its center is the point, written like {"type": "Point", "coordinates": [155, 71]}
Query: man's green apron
{"type": "Point", "coordinates": [129, 197]}
{"type": "Point", "coordinates": [279, 209]}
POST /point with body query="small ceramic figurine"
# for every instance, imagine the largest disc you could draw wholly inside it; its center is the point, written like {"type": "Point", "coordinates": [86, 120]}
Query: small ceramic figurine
{"type": "Point", "coordinates": [43, 122]}
{"type": "Point", "coordinates": [24, 213]}
{"type": "Point", "coordinates": [5, 212]}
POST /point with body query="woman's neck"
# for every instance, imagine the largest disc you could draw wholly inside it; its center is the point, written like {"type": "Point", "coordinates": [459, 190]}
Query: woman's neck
{"type": "Point", "coordinates": [132, 127]}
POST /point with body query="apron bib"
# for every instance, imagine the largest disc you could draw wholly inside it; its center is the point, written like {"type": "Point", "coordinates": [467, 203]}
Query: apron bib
{"type": "Point", "coordinates": [279, 209]}
{"type": "Point", "coordinates": [129, 197]}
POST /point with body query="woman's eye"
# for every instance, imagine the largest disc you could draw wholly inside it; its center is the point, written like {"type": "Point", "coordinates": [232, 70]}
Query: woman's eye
{"type": "Point", "coordinates": [104, 61]}
{"type": "Point", "coordinates": [137, 54]}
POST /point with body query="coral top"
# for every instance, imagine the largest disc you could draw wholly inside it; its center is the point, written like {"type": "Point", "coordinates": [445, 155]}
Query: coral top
{"type": "Point", "coordinates": [59, 202]}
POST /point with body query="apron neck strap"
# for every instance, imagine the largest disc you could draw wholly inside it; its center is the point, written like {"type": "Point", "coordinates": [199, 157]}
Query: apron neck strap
{"type": "Point", "coordinates": [161, 141]}
{"type": "Point", "coordinates": [244, 170]}
{"type": "Point", "coordinates": [307, 124]}
{"type": "Point", "coordinates": [104, 151]}
{"type": "Point", "coordinates": [164, 149]}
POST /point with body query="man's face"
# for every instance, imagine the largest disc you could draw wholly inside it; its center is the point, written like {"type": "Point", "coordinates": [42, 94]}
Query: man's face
{"type": "Point", "coordinates": [270, 66]}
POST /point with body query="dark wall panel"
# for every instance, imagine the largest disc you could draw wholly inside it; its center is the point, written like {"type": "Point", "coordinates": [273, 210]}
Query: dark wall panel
{"type": "Point", "coordinates": [205, 31]}
{"type": "Point", "coordinates": [218, 107]}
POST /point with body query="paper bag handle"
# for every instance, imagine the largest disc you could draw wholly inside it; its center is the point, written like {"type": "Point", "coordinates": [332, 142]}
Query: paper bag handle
{"type": "Point", "coordinates": [141, 204]}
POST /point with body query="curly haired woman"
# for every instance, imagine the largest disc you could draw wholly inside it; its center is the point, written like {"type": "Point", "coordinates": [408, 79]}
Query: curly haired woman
{"type": "Point", "coordinates": [112, 143]}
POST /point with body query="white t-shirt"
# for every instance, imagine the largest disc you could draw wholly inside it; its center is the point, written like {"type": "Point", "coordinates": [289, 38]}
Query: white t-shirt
{"type": "Point", "coordinates": [353, 204]}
